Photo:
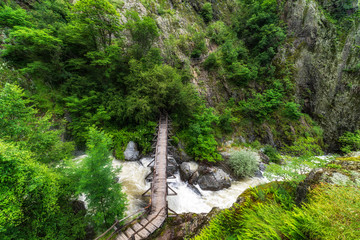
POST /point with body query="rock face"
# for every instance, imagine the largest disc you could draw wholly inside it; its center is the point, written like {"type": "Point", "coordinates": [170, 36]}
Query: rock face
{"type": "Point", "coordinates": [215, 180]}
{"type": "Point", "coordinates": [131, 153]}
{"type": "Point", "coordinates": [327, 90]}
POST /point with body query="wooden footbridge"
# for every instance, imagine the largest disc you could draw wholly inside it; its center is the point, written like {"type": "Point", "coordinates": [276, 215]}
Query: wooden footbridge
{"type": "Point", "coordinates": [152, 217]}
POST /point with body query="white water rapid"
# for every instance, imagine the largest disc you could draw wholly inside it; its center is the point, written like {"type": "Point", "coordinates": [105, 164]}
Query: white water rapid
{"type": "Point", "coordinates": [132, 178]}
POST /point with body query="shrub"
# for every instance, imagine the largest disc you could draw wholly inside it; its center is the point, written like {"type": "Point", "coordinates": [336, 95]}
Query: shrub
{"type": "Point", "coordinates": [292, 111]}
{"type": "Point", "coordinates": [304, 146]}
{"type": "Point", "coordinates": [218, 32]}
{"type": "Point", "coordinates": [199, 136]}
{"type": "Point", "coordinates": [244, 163]}
{"type": "Point", "coordinates": [207, 12]}
{"type": "Point", "coordinates": [272, 153]}
{"type": "Point", "coordinates": [211, 62]}
{"type": "Point", "coordinates": [350, 141]}
{"type": "Point", "coordinates": [199, 48]}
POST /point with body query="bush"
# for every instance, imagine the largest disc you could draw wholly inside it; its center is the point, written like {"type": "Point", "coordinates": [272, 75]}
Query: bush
{"type": "Point", "coordinates": [350, 141]}
{"type": "Point", "coordinates": [304, 146]}
{"type": "Point", "coordinates": [292, 111]}
{"type": "Point", "coordinates": [199, 136]}
{"type": "Point", "coordinates": [272, 153]}
{"type": "Point", "coordinates": [219, 32]}
{"type": "Point", "coordinates": [244, 163]}
{"type": "Point", "coordinates": [211, 62]}
{"type": "Point", "coordinates": [207, 12]}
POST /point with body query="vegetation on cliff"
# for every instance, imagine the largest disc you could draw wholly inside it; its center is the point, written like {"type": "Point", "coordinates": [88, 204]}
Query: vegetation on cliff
{"type": "Point", "coordinates": [76, 72]}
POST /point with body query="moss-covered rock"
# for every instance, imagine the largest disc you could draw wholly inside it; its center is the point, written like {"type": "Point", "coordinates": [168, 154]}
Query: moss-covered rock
{"type": "Point", "coordinates": [338, 172]}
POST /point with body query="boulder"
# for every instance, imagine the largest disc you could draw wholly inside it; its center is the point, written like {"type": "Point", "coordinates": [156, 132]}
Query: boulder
{"type": "Point", "coordinates": [258, 174]}
{"type": "Point", "coordinates": [262, 167]}
{"type": "Point", "coordinates": [187, 170]}
{"type": "Point", "coordinates": [131, 153]}
{"type": "Point", "coordinates": [264, 158]}
{"type": "Point", "coordinates": [225, 155]}
{"type": "Point", "coordinates": [215, 180]}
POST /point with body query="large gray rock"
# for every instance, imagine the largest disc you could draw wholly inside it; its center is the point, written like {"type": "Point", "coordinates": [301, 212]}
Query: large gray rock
{"type": "Point", "coordinates": [215, 180]}
{"type": "Point", "coordinates": [131, 153]}
{"type": "Point", "coordinates": [187, 170]}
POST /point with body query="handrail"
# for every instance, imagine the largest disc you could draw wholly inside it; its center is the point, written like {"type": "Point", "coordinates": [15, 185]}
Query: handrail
{"type": "Point", "coordinates": [118, 221]}
{"type": "Point", "coordinates": [149, 221]}
{"type": "Point", "coordinates": [137, 222]}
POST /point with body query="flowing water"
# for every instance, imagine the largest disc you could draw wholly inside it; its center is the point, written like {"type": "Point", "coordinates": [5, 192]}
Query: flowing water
{"type": "Point", "coordinates": [132, 178]}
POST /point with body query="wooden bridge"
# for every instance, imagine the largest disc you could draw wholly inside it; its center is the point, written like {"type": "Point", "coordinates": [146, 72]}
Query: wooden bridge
{"type": "Point", "coordinates": [155, 214]}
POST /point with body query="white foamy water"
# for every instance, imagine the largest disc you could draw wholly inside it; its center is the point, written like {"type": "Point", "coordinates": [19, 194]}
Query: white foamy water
{"type": "Point", "coordinates": [132, 178]}
{"type": "Point", "coordinates": [188, 200]}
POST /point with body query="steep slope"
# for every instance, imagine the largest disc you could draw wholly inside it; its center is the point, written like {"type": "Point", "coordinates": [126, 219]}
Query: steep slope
{"type": "Point", "coordinates": [325, 57]}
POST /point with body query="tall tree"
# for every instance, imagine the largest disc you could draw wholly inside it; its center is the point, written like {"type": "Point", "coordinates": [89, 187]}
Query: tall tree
{"type": "Point", "coordinates": [105, 199]}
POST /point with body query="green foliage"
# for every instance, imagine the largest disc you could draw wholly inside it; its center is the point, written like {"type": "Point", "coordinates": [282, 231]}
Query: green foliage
{"type": "Point", "coordinates": [143, 31]}
{"type": "Point", "coordinates": [98, 19]}
{"type": "Point", "coordinates": [350, 141]}
{"type": "Point", "coordinates": [211, 62]}
{"type": "Point", "coordinates": [199, 138]}
{"type": "Point", "coordinates": [272, 153]}
{"type": "Point", "coordinates": [292, 111]}
{"type": "Point", "coordinates": [225, 121]}
{"type": "Point", "coordinates": [31, 199]}
{"type": "Point", "coordinates": [105, 201]}
{"type": "Point", "coordinates": [261, 106]}
{"type": "Point", "coordinates": [244, 163]}
{"type": "Point", "coordinates": [294, 169]}
{"type": "Point", "coordinates": [19, 123]}
{"type": "Point", "coordinates": [35, 51]}
{"type": "Point", "coordinates": [260, 27]}
{"type": "Point", "coordinates": [85, 111]}
{"type": "Point", "coordinates": [10, 17]}
{"type": "Point", "coordinates": [207, 12]}
{"type": "Point", "coordinates": [331, 213]}
{"type": "Point", "coordinates": [304, 146]}
{"type": "Point", "coordinates": [199, 45]}
{"type": "Point", "coordinates": [219, 32]}
{"type": "Point", "coordinates": [153, 89]}
{"type": "Point", "coordinates": [142, 135]}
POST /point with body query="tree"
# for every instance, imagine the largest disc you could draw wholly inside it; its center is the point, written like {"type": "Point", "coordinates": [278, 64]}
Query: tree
{"type": "Point", "coordinates": [32, 201]}
{"type": "Point", "coordinates": [199, 135]}
{"type": "Point", "coordinates": [105, 200]}
{"type": "Point", "coordinates": [98, 19]}
{"type": "Point", "coordinates": [143, 31]}
{"type": "Point", "coordinates": [20, 124]}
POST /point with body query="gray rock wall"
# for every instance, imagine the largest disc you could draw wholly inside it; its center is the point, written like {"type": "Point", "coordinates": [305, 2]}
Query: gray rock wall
{"type": "Point", "coordinates": [320, 56]}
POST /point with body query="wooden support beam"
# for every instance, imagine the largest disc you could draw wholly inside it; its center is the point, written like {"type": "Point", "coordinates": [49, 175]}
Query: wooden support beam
{"type": "Point", "coordinates": [147, 190]}
{"type": "Point", "coordinates": [168, 187]}
{"type": "Point", "coordinates": [151, 162]}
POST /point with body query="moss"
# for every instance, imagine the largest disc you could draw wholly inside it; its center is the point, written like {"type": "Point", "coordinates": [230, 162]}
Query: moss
{"type": "Point", "coordinates": [353, 159]}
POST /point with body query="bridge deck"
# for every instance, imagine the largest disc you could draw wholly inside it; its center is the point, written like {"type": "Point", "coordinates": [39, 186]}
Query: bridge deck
{"type": "Point", "coordinates": [143, 228]}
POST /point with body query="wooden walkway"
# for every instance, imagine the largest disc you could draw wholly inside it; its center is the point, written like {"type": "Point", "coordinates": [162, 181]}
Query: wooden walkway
{"type": "Point", "coordinates": [159, 209]}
